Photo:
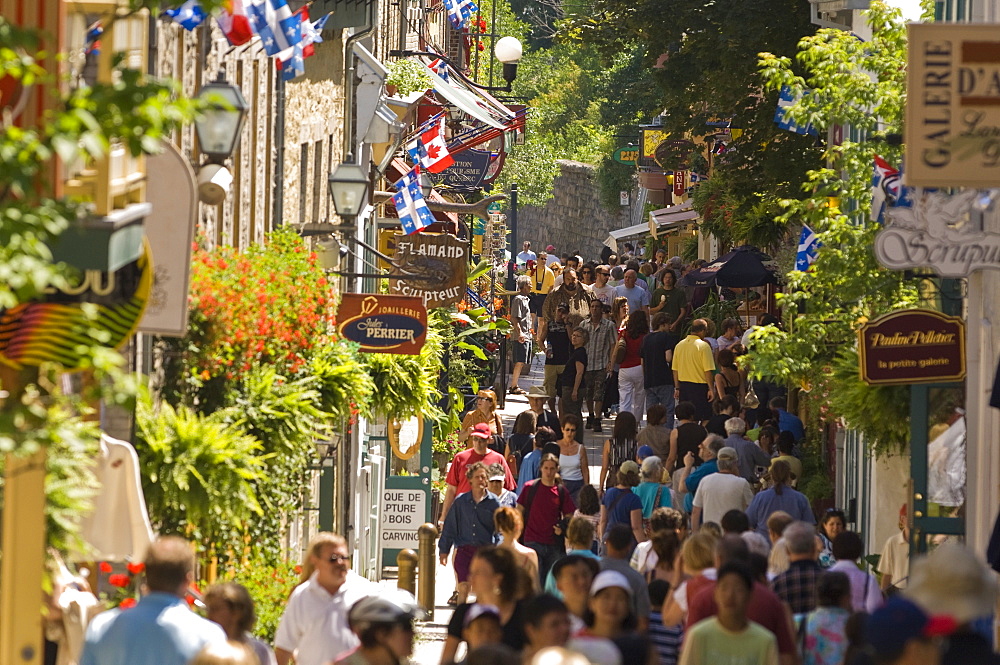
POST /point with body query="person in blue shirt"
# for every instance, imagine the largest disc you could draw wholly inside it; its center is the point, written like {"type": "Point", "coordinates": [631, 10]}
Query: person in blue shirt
{"type": "Point", "coordinates": [469, 526]}
{"type": "Point", "coordinates": [532, 461]}
{"type": "Point", "coordinates": [690, 477]}
{"type": "Point", "coordinates": [779, 497]}
{"type": "Point", "coordinates": [161, 629]}
{"type": "Point", "coordinates": [787, 422]}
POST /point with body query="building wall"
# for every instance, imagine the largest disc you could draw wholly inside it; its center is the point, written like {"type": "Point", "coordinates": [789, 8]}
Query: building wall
{"type": "Point", "coordinates": [573, 219]}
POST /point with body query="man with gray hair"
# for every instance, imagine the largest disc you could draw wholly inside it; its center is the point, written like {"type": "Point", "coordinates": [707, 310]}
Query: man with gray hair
{"type": "Point", "coordinates": [797, 585]}
{"type": "Point", "coordinates": [520, 317]}
{"type": "Point", "coordinates": [690, 477]}
{"type": "Point", "coordinates": [721, 492]}
{"type": "Point", "coordinates": [750, 454]}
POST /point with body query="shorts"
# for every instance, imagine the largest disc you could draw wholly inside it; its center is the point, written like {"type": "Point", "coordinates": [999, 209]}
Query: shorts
{"type": "Point", "coordinates": [594, 388]}
{"type": "Point", "coordinates": [521, 351]}
{"type": "Point", "coordinates": [697, 394]}
{"type": "Point", "coordinates": [551, 382]}
{"type": "Point", "coordinates": [535, 301]}
{"type": "Point", "coordinates": [463, 558]}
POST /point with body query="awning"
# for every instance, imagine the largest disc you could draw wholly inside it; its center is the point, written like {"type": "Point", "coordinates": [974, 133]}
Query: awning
{"type": "Point", "coordinates": [659, 220]}
{"type": "Point", "coordinates": [473, 103]}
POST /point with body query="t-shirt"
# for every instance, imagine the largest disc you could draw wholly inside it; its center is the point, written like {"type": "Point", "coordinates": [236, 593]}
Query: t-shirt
{"type": "Point", "coordinates": [569, 374]}
{"type": "Point", "coordinates": [666, 639]}
{"type": "Point", "coordinates": [543, 280]}
{"type": "Point", "coordinates": [647, 494]}
{"type": "Point", "coordinates": [676, 300]}
{"type": "Point", "coordinates": [520, 316]}
{"type": "Point", "coordinates": [547, 506]}
{"type": "Point", "coordinates": [637, 296]}
{"type": "Point", "coordinates": [655, 368]}
{"type": "Point", "coordinates": [456, 472]}
{"type": "Point", "coordinates": [558, 339]}
{"type": "Point", "coordinates": [765, 609]}
{"type": "Point", "coordinates": [511, 633]}
{"type": "Point", "coordinates": [606, 293]}
{"type": "Point", "coordinates": [622, 511]}
{"type": "Point", "coordinates": [524, 257]}
{"type": "Point", "coordinates": [719, 493]}
{"type": "Point", "coordinates": [708, 643]}
{"type": "Point", "coordinates": [692, 358]}
{"type": "Point", "coordinates": [717, 424]}
{"type": "Point", "coordinates": [769, 501]}
{"type": "Point", "coordinates": [633, 346]}
{"type": "Point", "coordinates": [896, 560]}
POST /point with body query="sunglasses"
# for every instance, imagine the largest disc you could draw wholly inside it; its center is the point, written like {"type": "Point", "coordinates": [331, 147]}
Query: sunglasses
{"type": "Point", "coordinates": [569, 429]}
{"type": "Point", "coordinates": [587, 272]}
{"type": "Point", "coordinates": [338, 558]}
{"type": "Point", "coordinates": [484, 399]}
{"type": "Point", "coordinates": [606, 274]}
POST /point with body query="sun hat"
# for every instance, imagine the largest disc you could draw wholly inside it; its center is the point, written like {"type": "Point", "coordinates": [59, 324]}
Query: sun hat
{"type": "Point", "coordinates": [628, 466]}
{"type": "Point", "coordinates": [481, 431]}
{"type": "Point", "coordinates": [644, 452]}
{"type": "Point", "coordinates": [728, 453]}
{"type": "Point", "coordinates": [900, 620]}
{"type": "Point", "coordinates": [607, 579]}
{"type": "Point", "coordinates": [537, 391]}
{"type": "Point", "coordinates": [479, 610]}
{"type": "Point", "coordinates": [497, 476]}
{"type": "Point", "coordinates": [953, 582]}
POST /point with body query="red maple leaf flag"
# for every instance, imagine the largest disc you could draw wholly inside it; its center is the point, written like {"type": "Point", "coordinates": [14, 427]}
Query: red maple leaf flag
{"type": "Point", "coordinates": [436, 157]}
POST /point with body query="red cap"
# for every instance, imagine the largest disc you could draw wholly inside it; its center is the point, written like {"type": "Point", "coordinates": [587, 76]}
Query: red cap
{"type": "Point", "coordinates": [482, 431]}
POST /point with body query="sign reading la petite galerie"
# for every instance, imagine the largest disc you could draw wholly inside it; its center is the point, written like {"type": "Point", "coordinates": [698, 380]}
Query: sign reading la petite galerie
{"type": "Point", "coordinates": [912, 346]}
{"type": "Point", "coordinates": [383, 324]}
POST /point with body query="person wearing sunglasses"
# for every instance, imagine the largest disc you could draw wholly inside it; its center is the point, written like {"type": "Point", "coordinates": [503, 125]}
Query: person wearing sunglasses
{"type": "Point", "coordinates": [314, 629]}
{"type": "Point", "coordinates": [601, 289]}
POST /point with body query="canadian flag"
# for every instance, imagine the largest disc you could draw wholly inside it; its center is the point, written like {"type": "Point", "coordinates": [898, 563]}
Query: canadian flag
{"type": "Point", "coordinates": [234, 23]}
{"type": "Point", "coordinates": [434, 152]}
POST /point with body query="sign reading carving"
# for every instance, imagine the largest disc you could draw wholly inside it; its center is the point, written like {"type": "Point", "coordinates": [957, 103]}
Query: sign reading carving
{"type": "Point", "coordinates": [383, 324]}
{"type": "Point", "coordinates": [912, 346]}
{"type": "Point", "coordinates": [432, 267]}
{"type": "Point", "coordinates": [952, 127]}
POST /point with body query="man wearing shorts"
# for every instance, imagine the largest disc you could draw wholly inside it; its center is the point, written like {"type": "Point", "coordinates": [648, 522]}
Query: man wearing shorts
{"type": "Point", "coordinates": [603, 335]}
{"type": "Point", "coordinates": [556, 353]}
{"type": "Point", "coordinates": [693, 368]}
{"type": "Point", "coordinates": [520, 317]}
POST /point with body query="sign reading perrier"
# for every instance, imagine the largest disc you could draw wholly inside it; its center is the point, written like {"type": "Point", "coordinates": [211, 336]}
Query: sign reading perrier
{"type": "Point", "coordinates": [912, 346]}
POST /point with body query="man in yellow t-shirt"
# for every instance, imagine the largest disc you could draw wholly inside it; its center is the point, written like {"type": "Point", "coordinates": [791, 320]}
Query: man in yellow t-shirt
{"type": "Point", "coordinates": [542, 281]}
{"type": "Point", "coordinates": [693, 367]}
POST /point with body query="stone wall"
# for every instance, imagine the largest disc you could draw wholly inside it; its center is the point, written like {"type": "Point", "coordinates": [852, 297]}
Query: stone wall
{"type": "Point", "coordinates": [573, 220]}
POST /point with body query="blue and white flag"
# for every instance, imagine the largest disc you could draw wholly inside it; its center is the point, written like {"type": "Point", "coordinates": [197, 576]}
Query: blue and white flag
{"type": "Point", "coordinates": [189, 15]}
{"type": "Point", "coordinates": [786, 99]}
{"type": "Point", "coordinates": [291, 62]}
{"type": "Point", "coordinates": [278, 27]}
{"type": "Point", "coordinates": [439, 67]}
{"type": "Point", "coordinates": [808, 248]}
{"type": "Point", "coordinates": [460, 11]}
{"type": "Point", "coordinates": [413, 212]}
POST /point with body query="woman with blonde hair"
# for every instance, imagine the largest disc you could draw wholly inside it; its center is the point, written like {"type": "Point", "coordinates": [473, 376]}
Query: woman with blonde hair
{"type": "Point", "coordinates": [225, 653]}
{"type": "Point", "coordinates": [485, 412]}
{"type": "Point", "coordinates": [509, 524]}
{"type": "Point", "coordinates": [698, 563]}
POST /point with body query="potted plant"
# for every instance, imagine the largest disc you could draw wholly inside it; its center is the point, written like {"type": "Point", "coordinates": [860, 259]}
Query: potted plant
{"type": "Point", "coordinates": [406, 77]}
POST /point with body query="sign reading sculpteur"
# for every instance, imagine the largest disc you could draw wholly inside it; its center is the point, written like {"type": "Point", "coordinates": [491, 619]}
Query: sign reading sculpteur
{"type": "Point", "coordinates": [403, 511]}
{"type": "Point", "coordinates": [952, 128]}
{"type": "Point", "coordinates": [912, 346]}
{"type": "Point", "coordinates": [432, 267]}
{"type": "Point", "coordinates": [383, 324]}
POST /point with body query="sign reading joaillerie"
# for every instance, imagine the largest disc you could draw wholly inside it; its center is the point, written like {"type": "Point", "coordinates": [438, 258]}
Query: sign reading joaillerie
{"type": "Point", "coordinates": [952, 128]}
{"type": "Point", "coordinates": [912, 346]}
{"type": "Point", "coordinates": [383, 324]}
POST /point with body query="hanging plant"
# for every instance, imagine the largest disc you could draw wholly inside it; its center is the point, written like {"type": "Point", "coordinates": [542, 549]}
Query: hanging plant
{"type": "Point", "coordinates": [407, 77]}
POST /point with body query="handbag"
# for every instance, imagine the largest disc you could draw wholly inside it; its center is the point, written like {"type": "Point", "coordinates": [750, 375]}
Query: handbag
{"type": "Point", "coordinates": [620, 351]}
{"type": "Point", "coordinates": [750, 400]}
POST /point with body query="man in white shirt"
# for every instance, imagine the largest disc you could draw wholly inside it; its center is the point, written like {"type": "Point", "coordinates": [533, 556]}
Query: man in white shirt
{"type": "Point", "coordinates": [572, 263]}
{"type": "Point", "coordinates": [602, 290]}
{"type": "Point", "coordinates": [526, 254]}
{"type": "Point", "coordinates": [718, 493]}
{"type": "Point", "coordinates": [314, 627]}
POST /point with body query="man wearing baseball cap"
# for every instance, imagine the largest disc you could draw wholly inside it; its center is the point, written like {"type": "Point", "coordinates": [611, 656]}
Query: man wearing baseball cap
{"type": "Point", "coordinates": [456, 481]}
{"type": "Point", "coordinates": [900, 633]}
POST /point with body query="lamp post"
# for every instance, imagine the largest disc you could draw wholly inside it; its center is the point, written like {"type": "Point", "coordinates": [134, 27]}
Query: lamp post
{"type": "Point", "coordinates": [218, 129]}
{"type": "Point", "coordinates": [348, 185]}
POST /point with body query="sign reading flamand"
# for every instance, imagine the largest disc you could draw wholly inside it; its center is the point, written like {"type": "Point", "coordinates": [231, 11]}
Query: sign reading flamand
{"type": "Point", "coordinates": [952, 128]}
{"type": "Point", "coordinates": [912, 346]}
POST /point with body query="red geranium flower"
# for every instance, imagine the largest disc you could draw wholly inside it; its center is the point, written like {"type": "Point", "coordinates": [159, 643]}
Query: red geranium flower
{"type": "Point", "coordinates": [136, 568]}
{"type": "Point", "coordinates": [118, 580]}
{"type": "Point", "coordinates": [104, 567]}
{"type": "Point", "coordinates": [128, 603]}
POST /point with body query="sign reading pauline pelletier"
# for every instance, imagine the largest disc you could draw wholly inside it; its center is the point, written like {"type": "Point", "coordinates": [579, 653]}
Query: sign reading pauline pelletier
{"type": "Point", "coordinates": [912, 346]}
{"type": "Point", "coordinates": [952, 128]}
{"type": "Point", "coordinates": [438, 264]}
{"type": "Point", "coordinates": [383, 324]}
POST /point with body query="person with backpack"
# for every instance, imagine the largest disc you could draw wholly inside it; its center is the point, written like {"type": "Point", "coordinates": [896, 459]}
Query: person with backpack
{"type": "Point", "coordinates": [545, 506]}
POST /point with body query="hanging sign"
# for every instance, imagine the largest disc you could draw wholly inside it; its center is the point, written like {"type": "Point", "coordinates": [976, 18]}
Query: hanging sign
{"type": "Point", "coordinates": [952, 106]}
{"type": "Point", "coordinates": [432, 267]}
{"type": "Point", "coordinates": [383, 324]}
{"type": "Point", "coordinates": [470, 169]}
{"type": "Point", "coordinates": [912, 346]}
{"type": "Point", "coordinates": [628, 155]}
{"type": "Point", "coordinates": [680, 183]}
{"type": "Point", "coordinates": [403, 511]}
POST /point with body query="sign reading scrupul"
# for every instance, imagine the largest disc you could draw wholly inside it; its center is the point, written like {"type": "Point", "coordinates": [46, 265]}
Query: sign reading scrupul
{"type": "Point", "coordinates": [383, 324]}
{"type": "Point", "coordinates": [912, 346]}
{"type": "Point", "coordinates": [952, 128]}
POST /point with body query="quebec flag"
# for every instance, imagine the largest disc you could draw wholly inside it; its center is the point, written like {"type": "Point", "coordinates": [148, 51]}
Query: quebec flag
{"type": "Point", "coordinates": [460, 11]}
{"type": "Point", "coordinates": [189, 15]}
{"type": "Point", "coordinates": [413, 212]}
{"type": "Point", "coordinates": [808, 248]}
{"type": "Point", "coordinates": [278, 27]}
{"type": "Point", "coordinates": [786, 99]}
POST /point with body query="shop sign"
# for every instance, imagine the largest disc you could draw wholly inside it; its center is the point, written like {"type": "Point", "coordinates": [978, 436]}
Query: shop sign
{"type": "Point", "coordinates": [651, 138]}
{"type": "Point", "coordinates": [934, 232]}
{"type": "Point", "coordinates": [52, 328]}
{"type": "Point", "coordinates": [403, 511]}
{"type": "Point", "coordinates": [680, 183]}
{"type": "Point", "coordinates": [470, 169]}
{"type": "Point", "coordinates": [628, 155]}
{"type": "Point", "coordinates": [952, 126]}
{"type": "Point", "coordinates": [912, 346]}
{"type": "Point", "coordinates": [438, 264]}
{"type": "Point", "coordinates": [383, 324]}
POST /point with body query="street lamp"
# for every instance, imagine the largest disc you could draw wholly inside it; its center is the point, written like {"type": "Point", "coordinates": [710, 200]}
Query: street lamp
{"type": "Point", "coordinates": [348, 186]}
{"type": "Point", "coordinates": [218, 129]}
{"type": "Point", "coordinates": [508, 50]}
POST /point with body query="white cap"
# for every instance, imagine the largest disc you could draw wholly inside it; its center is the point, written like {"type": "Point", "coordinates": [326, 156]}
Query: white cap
{"type": "Point", "coordinates": [607, 579]}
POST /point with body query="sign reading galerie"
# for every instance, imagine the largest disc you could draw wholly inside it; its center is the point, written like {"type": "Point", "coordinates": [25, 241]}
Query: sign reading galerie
{"type": "Point", "coordinates": [912, 346]}
{"type": "Point", "coordinates": [383, 324]}
{"type": "Point", "coordinates": [952, 128]}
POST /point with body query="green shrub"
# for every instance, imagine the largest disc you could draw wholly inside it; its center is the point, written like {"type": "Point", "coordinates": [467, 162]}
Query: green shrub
{"type": "Point", "coordinates": [269, 586]}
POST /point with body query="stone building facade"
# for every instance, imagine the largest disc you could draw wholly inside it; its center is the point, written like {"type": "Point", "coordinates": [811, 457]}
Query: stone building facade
{"type": "Point", "coordinates": [573, 220]}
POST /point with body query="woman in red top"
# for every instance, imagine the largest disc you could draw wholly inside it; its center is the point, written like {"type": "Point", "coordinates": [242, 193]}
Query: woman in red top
{"type": "Point", "coordinates": [631, 393]}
